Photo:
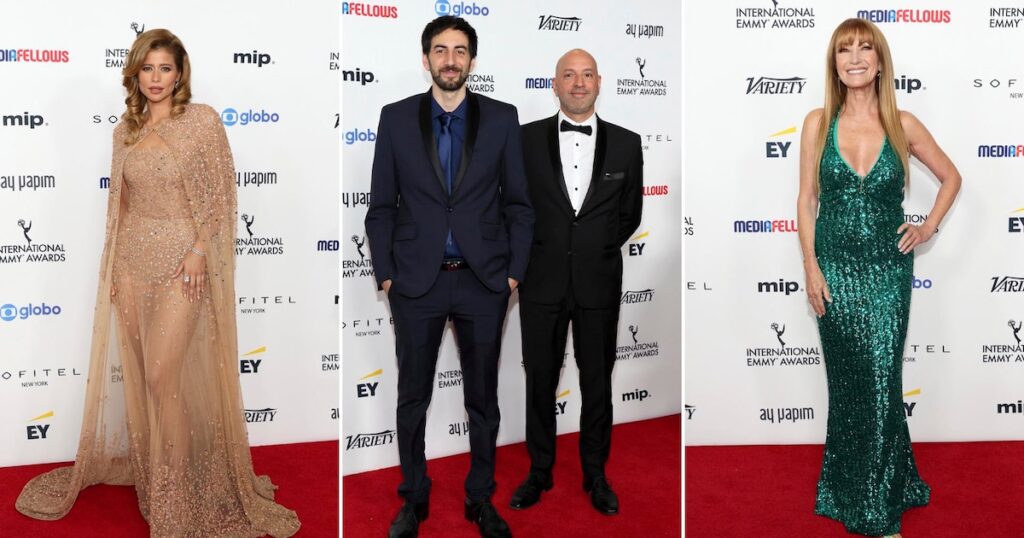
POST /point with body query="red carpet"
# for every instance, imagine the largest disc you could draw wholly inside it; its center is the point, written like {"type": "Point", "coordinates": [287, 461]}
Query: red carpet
{"type": "Point", "coordinates": [977, 490]}
{"type": "Point", "coordinates": [643, 469]}
{"type": "Point", "coordinates": [306, 474]}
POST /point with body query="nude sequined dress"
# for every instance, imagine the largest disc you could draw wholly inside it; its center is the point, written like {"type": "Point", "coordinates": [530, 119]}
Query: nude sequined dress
{"type": "Point", "coordinates": [163, 408]}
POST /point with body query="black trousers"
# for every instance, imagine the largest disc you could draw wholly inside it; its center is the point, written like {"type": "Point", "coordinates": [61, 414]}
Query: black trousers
{"type": "Point", "coordinates": [478, 314]}
{"type": "Point", "coordinates": [544, 329]}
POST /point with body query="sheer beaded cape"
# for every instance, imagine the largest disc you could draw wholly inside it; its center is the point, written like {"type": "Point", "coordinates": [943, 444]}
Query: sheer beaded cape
{"type": "Point", "coordinates": [210, 489]}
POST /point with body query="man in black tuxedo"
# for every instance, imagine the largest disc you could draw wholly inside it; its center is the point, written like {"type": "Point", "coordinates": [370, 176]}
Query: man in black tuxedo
{"type": "Point", "coordinates": [586, 185]}
{"type": "Point", "coordinates": [449, 227]}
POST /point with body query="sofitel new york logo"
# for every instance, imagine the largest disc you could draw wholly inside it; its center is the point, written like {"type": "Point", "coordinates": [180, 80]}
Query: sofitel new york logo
{"type": "Point", "coordinates": [31, 252]}
{"type": "Point", "coordinates": [639, 349]}
{"type": "Point", "coordinates": [257, 245]}
{"type": "Point", "coordinates": [364, 440]}
{"type": "Point", "coordinates": [784, 354]}
{"type": "Point", "coordinates": [1004, 353]}
{"type": "Point", "coordinates": [27, 182]}
{"type": "Point", "coordinates": [362, 267]}
{"type": "Point", "coordinates": [775, 17]}
{"type": "Point", "coordinates": [115, 57]}
{"type": "Point", "coordinates": [643, 85]}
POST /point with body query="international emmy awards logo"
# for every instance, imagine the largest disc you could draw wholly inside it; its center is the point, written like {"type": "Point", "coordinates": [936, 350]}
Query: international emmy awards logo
{"type": "Point", "coordinates": [1016, 329]}
{"type": "Point", "coordinates": [359, 246]}
{"type": "Point", "coordinates": [779, 333]}
{"type": "Point", "coordinates": [641, 63]}
{"type": "Point", "coordinates": [138, 31]}
{"type": "Point", "coordinates": [633, 329]}
{"type": "Point", "coordinates": [248, 223]}
{"type": "Point", "coordinates": [25, 229]}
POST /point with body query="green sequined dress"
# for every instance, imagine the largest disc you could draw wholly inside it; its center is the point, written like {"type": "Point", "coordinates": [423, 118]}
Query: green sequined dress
{"type": "Point", "coordinates": [868, 476]}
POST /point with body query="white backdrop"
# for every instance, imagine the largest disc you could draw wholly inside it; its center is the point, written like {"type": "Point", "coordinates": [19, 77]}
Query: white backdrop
{"type": "Point", "coordinates": [519, 44]}
{"type": "Point", "coordinates": [264, 60]}
{"type": "Point", "coordinates": [745, 104]}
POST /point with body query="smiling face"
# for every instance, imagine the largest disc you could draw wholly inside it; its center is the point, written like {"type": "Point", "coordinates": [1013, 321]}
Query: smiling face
{"type": "Point", "coordinates": [577, 84]}
{"type": "Point", "coordinates": [158, 75]}
{"type": "Point", "coordinates": [857, 63]}
{"type": "Point", "coordinates": [448, 60]}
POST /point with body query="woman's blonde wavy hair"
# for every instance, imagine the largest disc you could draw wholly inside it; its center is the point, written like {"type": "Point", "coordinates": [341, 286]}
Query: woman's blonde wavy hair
{"type": "Point", "coordinates": [846, 34]}
{"type": "Point", "coordinates": [137, 112]}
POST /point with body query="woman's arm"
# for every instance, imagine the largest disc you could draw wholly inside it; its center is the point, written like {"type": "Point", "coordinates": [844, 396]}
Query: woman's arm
{"type": "Point", "coordinates": [807, 212]}
{"type": "Point", "coordinates": [926, 150]}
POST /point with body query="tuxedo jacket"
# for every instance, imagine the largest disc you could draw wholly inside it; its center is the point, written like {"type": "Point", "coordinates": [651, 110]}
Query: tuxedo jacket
{"type": "Point", "coordinates": [411, 211]}
{"type": "Point", "coordinates": [582, 250]}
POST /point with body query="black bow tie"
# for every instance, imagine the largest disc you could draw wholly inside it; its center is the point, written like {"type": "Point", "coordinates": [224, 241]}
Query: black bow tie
{"type": "Point", "coordinates": [566, 126]}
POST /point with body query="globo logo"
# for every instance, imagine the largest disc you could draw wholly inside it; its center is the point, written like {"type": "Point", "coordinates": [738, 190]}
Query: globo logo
{"type": "Point", "coordinates": [10, 312]}
{"type": "Point", "coordinates": [355, 135]}
{"type": "Point", "coordinates": [231, 117]}
{"type": "Point", "coordinates": [922, 283]}
{"type": "Point", "coordinates": [443, 7]}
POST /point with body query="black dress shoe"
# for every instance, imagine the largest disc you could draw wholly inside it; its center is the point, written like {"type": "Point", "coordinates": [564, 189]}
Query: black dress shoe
{"type": "Point", "coordinates": [528, 493]}
{"type": "Point", "coordinates": [602, 497]}
{"type": "Point", "coordinates": [485, 515]}
{"type": "Point", "coordinates": [407, 523]}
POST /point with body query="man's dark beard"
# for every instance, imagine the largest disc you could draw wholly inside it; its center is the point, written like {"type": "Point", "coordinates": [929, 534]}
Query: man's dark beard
{"type": "Point", "coordinates": [449, 86]}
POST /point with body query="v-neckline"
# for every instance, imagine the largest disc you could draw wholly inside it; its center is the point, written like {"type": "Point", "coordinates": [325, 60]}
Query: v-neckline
{"type": "Point", "coordinates": [835, 143]}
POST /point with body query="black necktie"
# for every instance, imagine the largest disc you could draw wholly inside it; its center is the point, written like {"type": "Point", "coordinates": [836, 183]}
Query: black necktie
{"type": "Point", "coordinates": [566, 126]}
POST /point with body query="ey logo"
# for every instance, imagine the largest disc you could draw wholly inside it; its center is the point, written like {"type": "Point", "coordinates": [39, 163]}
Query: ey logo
{"type": "Point", "coordinates": [909, 406]}
{"type": "Point", "coordinates": [368, 389]}
{"type": "Point", "coordinates": [560, 405]}
{"type": "Point", "coordinates": [1017, 223]}
{"type": "Point", "coordinates": [778, 150]}
{"type": "Point", "coordinates": [251, 366]}
{"type": "Point", "coordinates": [38, 431]}
{"type": "Point", "coordinates": [637, 249]}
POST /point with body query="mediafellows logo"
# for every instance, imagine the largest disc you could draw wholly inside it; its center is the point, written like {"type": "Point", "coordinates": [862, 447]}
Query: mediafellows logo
{"type": "Point", "coordinates": [877, 16]}
{"type": "Point", "coordinates": [776, 17]}
{"type": "Point", "coordinates": [34, 55]}
{"type": "Point", "coordinates": [231, 117]}
{"type": "Point", "coordinates": [764, 226]}
{"type": "Point", "coordinates": [360, 9]}
{"type": "Point", "coordinates": [460, 9]}
{"type": "Point", "coordinates": [997, 151]}
{"type": "Point", "coordinates": [559, 24]}
{"type": "Point", "coordinates": [538, 83]}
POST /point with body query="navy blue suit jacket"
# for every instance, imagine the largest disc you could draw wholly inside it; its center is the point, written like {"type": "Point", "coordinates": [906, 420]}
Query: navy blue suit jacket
{"type": "Point", "coordinates": [410, 213]}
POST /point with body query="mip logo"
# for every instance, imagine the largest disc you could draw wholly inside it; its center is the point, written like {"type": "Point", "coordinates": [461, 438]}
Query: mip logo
{"type": "Point", "coordinates": [231, 117]}
{"type": "Point", "coordinates": [443, 7]}
{"type": "Point", "coordinates": [259, 59]}
{"type": "Point", "coordinates": [25, 119]}
{"type": "Point", "coordinates": [909, 85]}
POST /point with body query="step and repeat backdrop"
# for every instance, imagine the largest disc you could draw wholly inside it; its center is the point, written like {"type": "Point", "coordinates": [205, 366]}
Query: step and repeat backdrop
{"type": "Point", "coordinates": [638, 55]}
{"type": "Point", "coordinates": [272, 71]}
{"type": "Point", "coordinates": [754, 368]}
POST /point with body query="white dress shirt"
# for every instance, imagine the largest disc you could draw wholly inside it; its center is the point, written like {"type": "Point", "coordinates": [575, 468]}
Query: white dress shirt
{"type": "Point", "coordinates": [577, 153]}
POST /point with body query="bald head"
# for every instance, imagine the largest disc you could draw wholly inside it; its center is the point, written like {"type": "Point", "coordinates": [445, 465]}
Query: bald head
{"type": "Point", "coordinates": [577, 84]}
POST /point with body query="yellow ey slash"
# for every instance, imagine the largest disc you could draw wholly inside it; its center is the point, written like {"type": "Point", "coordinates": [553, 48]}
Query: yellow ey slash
{"type": "Point", "coordinates": [791, 130]}
{"type": "Point", "coordinates": [257, 351]}
{"type": "Point", "coordinates": [376, 372]}
{"type": "Point", "coordinates": [563, 394]}
{"type": "Point", "coordinates": [915, 392]}
{"type": "Point", "coordinates": [641, 236]}
{"type": "Point", "coordinates": [47, 414]}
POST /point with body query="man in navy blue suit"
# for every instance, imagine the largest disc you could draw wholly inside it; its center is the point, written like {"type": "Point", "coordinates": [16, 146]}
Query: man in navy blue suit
{"type": "Point", "coordinates": [450, 227]}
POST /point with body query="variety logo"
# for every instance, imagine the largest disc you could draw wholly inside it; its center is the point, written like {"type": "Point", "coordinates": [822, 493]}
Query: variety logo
{"type": "Point", "coordinates": [764, 226]}
{"type": "Point", "coordinates": [776, 17]}
{"type": "Point", "coordinates": [367, 327]}
{"type": "Point", "coordinates": [938, 16]}
{"type": "Point", "coordinates": [356, 75]}
{"type": "Point", "coordinates": [255, 179]}
{"type": "Point", "coordinates": [782, 286]}
{"type": "Point", "coordinates": [909, 85]}
{"type": "Point", "coordinates": [366, 388]}
{"type": "Point", "coordinates": [330, 362]}
{"type": "Point", "coordinates": [259, 59]}
{"type": "Point", "coordinates": [645, 30]}
{"type": "Point", "coordinates": [561, 400]}
{"type": "Point", "coordinates": [28, 182]}
{"type": "Point", "coordinates": [559, 24]}
{"type": "Point", "coordinates": [639, 296]}
{"type": "Point", "coordinates": [363, 267]}
{"type": "Point", "coordinates": [251, 365]}
{"type": "Point", "coordinates": [32, 252]}
{"type": "Point", "coordinates": [266, 414]}
{"type": "Point", "coordinates": [115, 57]}
{"type": "Point", "coordinates": [539, 83]}
{"type": "Point", "coordinates": [258, 304]}
{"type": "Point", "coordinates": [364, 440]}
{"type": "Point", "coordinates": [655, 190]}
{"type": "Point", "coordinates": [636, 248]}
{"type": "Point", "coordinates": [1010, 408]}
{"type": "Point", "coordinates": [257, 245]}
{"type": "Point", "coordinates": [449, 378]}
{"type": "Point", "coordinates": [908, 407]}
{"type": "Point", "coordinates": [1005, 17]}
{"type": "Point", "coordinates": [915, 351]}
{"type": "Point", "coordinates": [356, 135]}
{"type": "Point", "coordinates": [355, 198]}
{"type": "Point", "coordinates": [460, 9]}
{"type": "Point", "coordinates": [1007, 284]}
{"type": "Point", "coordinates": [792, 415]}
{"type": "Point", "coordinates": [232, 117]}
{"type": "Point", "coordinates": [775, 86]}
{"type": "Point", "coordinates": [783, 355]}
{"type": "Point", "coordinates": [638, 395]}
{"type": "Point", "coordinates": [369, 10]}
{"type": "Point", "coordinates": [480, 83]}
{"type": "Point", "coordinates": [38, 431]}
{"type": "Point", "coordinates": [1006, 353]}
{"type": "Point", "coordinates": [690, 410]}
{"type": "Point", "coordinates": [643, 85]}
{"type": "Point", "coordinates": [639, 349]}
{"type": "Point", "coordinates": [24, 120]}
{"type": "Point", "coordinates": [999, 151]}
{"type": "Point", "coordinates": [779, 149]}
{"type": "Point", "coordinates": [34, 55]}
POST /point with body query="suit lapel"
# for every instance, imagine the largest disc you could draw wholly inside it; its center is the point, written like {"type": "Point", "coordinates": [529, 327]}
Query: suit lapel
{"type": "Point", "coordinates": [467, 145]}
{"type": "Point", "coordinates": [429, 142]}
{"type": "Point", "coordinates": [554, 151]}
{"type": "Point", "coordinates": [599, 151]}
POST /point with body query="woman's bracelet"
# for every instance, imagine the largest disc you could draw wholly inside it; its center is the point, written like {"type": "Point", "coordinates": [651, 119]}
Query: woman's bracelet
{"type": "Point", "coordinates": [198, 252]}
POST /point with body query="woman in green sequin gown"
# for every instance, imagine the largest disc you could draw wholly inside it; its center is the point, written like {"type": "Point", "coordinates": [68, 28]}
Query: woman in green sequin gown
{"type": "Point", "coordinates": [858, 256]}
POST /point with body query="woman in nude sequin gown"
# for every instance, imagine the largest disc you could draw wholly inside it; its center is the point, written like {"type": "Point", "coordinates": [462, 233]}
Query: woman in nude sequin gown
{"type": "Point", "coordinates": [858, 259]}
{"type": "Point", "coordinates": [165, 320]}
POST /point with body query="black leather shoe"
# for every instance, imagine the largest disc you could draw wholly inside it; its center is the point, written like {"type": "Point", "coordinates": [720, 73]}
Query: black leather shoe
{"type": "Point", "coordinates": [528, 493]}
{"type": "Point", "coordinates": [407, 523]}
{"type": "Point", "coordinates": [485, 515]}
{"type": "Point", "coordinates": [602, 497]}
